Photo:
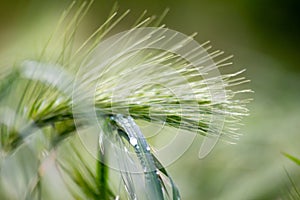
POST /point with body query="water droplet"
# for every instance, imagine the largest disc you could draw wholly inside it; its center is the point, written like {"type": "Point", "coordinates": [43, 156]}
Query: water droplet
{"type": "Point", "coordinates": [133, 141]}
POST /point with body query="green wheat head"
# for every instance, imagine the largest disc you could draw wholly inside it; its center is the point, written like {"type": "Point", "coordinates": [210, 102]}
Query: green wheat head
{"type": "Point", "coordinates": [70, 96]}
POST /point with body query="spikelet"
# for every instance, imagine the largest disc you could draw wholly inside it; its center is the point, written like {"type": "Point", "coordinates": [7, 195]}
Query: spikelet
{"type": "Point", "coordinates": [147, 73]}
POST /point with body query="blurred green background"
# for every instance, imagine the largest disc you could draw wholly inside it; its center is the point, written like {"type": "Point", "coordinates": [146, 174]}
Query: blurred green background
{"type": "Point", "coordinates": [264, 37]}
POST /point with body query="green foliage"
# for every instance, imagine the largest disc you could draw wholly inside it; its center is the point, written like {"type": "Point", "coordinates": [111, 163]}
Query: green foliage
{"type": "Point", "coordinates": [292, 158]}
{"type": "Point", "coordinates": [293, 192]}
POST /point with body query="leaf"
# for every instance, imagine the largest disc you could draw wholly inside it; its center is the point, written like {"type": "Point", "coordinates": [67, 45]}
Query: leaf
{"type": "Point", "coordinates": [175, 191]}
{"type": "Point", "coordinates": [142, 149]}
{"type": "Point", "coordinates": [292, 158]}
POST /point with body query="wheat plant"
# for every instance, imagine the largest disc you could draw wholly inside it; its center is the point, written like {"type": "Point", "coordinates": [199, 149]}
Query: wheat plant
{"type": "Point", "coordinates": [69, 120]}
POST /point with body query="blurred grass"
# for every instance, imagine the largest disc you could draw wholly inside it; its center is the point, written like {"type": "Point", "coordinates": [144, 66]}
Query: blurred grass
{"type": "Point", "coordinates": [263, 36]}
